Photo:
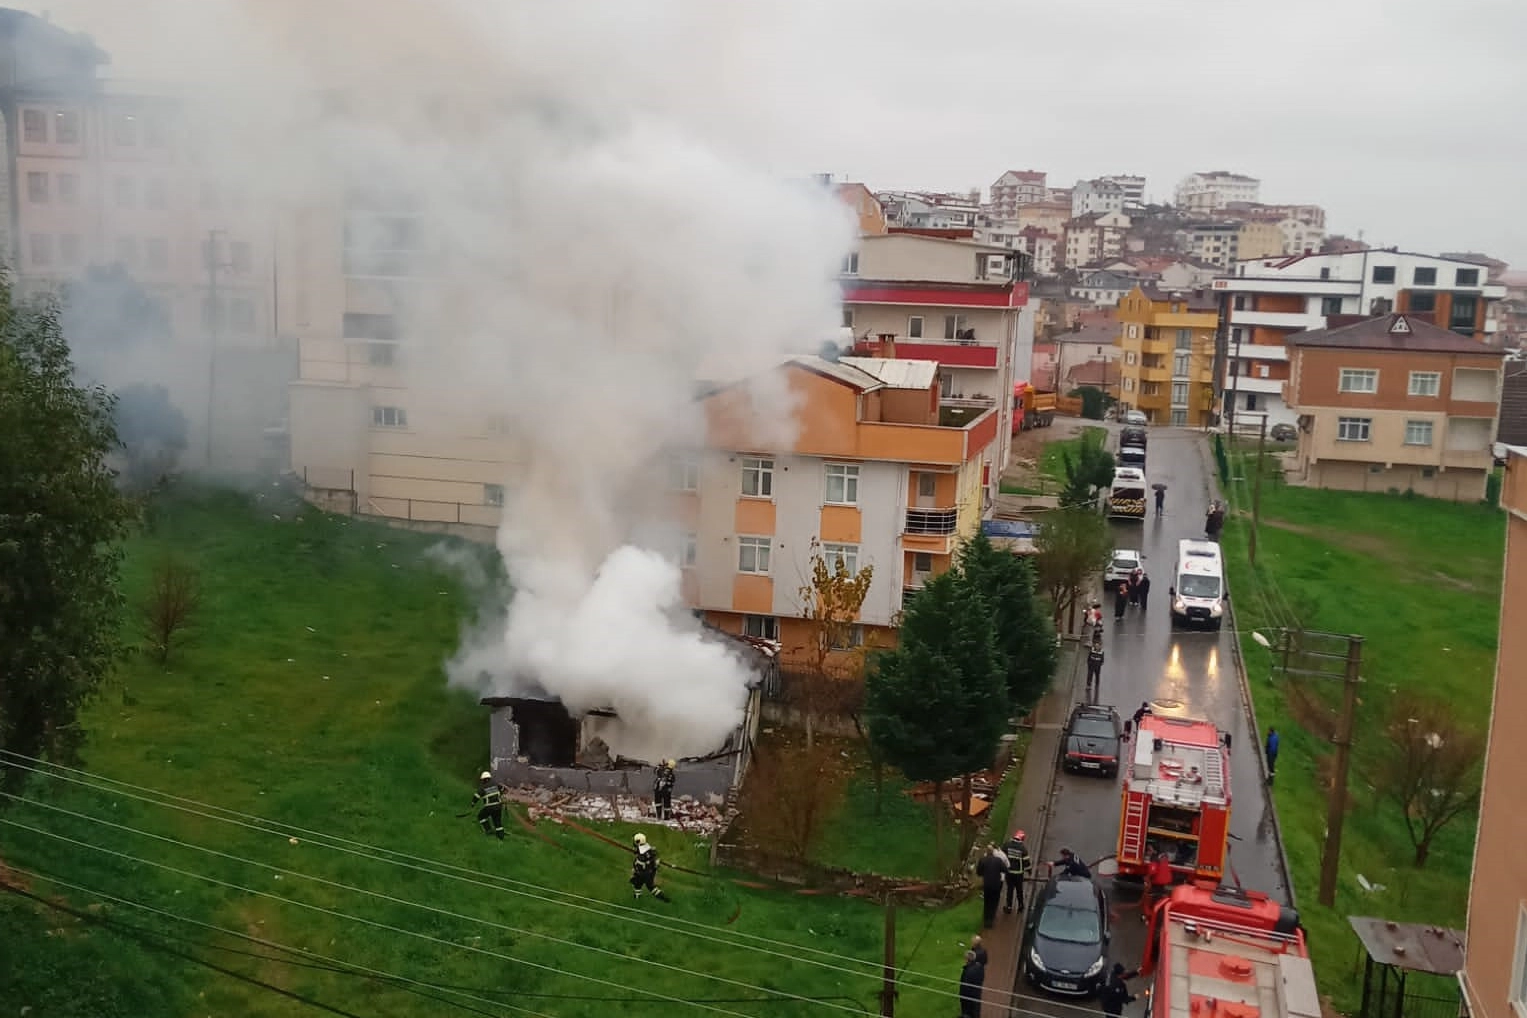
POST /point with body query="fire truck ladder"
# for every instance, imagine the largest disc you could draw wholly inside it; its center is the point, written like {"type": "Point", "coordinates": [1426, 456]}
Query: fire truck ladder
{"type": "Point", "coordinates": [1133, 847]}
{"type": "Point", "coordinates": [1214, 772]}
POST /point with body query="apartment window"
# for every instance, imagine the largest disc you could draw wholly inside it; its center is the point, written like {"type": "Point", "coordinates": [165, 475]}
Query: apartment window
{"type": "Point", "coordinates": [363, 326]}
{"type": "Point", "coordinates": [758, 478]}
{"type": "Point", "coordinates": [1423, 302]}
{"type": "Point", "coordinates": [1182, 363]}
{"type": "Point", "coordinates": [1180, 393]}
{"type": "Point", "coordinates": [37, 188]}
{"type": "Point", "coordinates": [945, 383]}
{"type": "Point", "coordinates": [1128, 384]}
{"type": "Point", "coordinates": [127, 252]}
{"type": "Point", "coordinates": [389, 417]}
{"type": "Point", "coordinates": [1330, 305]}
{"type": "Point", "coordinates": [851, 263]}
{"type": "Point", "coordinates": [842, 484]}
{"type": "Point", "coordinates": [70, 249]}
{"type": "Point", "coordinates": [1383, 273]}
{"type": "Point", "coordinates": [1179, 418]}
{"type": "Point", "coordinates": [66, 127]}
{"type": "Point", "coordinates": [1184, 339]}
{"type": "Point", "coordinates": [1237, 334]}
{"type": "Point", "coordinates": [382, 355]}
{"type": "Point", "coordinates": [1359, 380]}
{"type": "Point", "coordinates": [1130, 357]}
{"type": "Point", "coordinates": [239, 256]}
{"type": "Point", "coordinates": [1251, 401]}
{"type": "Point", "coordinates": [915, 327]}
{"type": "Point", "coordinates": [68, 189]}
{"type": "Point", "coordinates": [760, 627]}
{"type": "Point", "coordinates": [124, 130]}
{"type": "Point", "coordinates": [126, 192]}
{"type": "Point", "coordinates": [1460, 316]}
{"type": "Point", "coordinates": [1240, 302]}
{"type": "Point", "coordinates": [953, 326]}
{"type": "Point", "coordinates": [1418, 432]}
{"type": "Point", "coordinates": [1424, 277]}
{"type": "Point", "coordinates": [848, 318]}
{"type": "Point", "coordinates": [847, 637]}
{"type": "Point", "coordinates": [689, 549]}
{"type": "Point", "coordinates": [34, 127]}
{"type": "Point", "coordinates": [1353, 429]}
{"type": "Point", "coordinates": [846, 554]}
{"type": "Point", "coordinates": [684, 472]}
{"type": "Point", "coordinates": [1466, 277]}
{"type": "Point", "coordinates": [1425, 383]}
{"type": "Point", "coordinates": [156, 253]}
{"type": "Point", "coordinates": [156, 132]}
{"type": "Point", "coordinates": [1325, 273]}
{"type": "Point", "coordinates": [753, 554]}
{"type": "Point", "coordinates": [922, 562]}
{"type": "Point", "coordinates": [241, 314]}
{"type": "Point", "coordinates": [156, 194]}
{"type": "Point", "coordinates": [493, 494]}
{"type": "Point", "coordinates": [1427, 473]}
{"type": "Point", "coordinates": [1133, 332]}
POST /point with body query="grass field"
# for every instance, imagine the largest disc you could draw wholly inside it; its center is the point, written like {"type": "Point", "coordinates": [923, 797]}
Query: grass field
{"type": "Point", "coordinates": [312, 694]}
{"type": "Point", "coordinates": [1420, 580]}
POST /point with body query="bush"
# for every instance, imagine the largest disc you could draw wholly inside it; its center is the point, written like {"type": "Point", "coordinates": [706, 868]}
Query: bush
{"type": "Point", "coordinates": [1492, 487]}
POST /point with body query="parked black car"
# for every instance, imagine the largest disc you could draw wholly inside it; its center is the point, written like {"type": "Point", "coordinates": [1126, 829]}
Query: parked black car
{"type": "Point", "coordinates": [1132, 438]}
{"type": "Point", "coordinates": [1283, 433]}
{"type": "Point", "coordinates": [1094, 740]}
{"type": "Point", "coordinates": [1065, 944]}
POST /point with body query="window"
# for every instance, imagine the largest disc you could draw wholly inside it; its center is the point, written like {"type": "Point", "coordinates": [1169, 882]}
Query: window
{"type": "Point", "coordinates": [760, 627]}
{"type": "Point", "coordinates": [1180, 393]}
{"type": "Point", "coordinates": [363, 326]}
{"type": "Point", "coordinates": [1179, 418]}
{"type": "Point", "coordinates": [1383, 273]}
{"type": "Point", "coordinates": [124, 130]}
{"type": "Point", "coordinates": [156, 195]}
{"type": "Point", "coordinates": [381, 355]}
{"type": "Point", "coordinates": [1182, 363]}
{"type": "Point", "coordinates": [1460, 316]}
{"type": "Point", "coordinates": [239, 257]}
{"type": "Point", "coordinates": [684, 472]}
{"type": "Point", "coordinates": [927, 485]}
{"type": "Point", "coordinates": [1325, 273]}
{"type": "Point", "coordinates": [34, 127]}
{"type": "Point", "coordinates": [753, 554]}
{"type": "Point", "coordinates": [758, 478]}
{"type": "Point", "coordinates": [953, 326]}
{"type": "Point", "coordinates": [1353, 429]}
{"type": "Point", "coordinates": [1466, 277]}
{"type": "Point", "coordinates": [848, 554]}
{"type": "Point", "coordinates": [493, 494]}
{"type": "Point", "coordinates": [1184, 339]}
{"type": "Point", "coordinates": [127, 252]}
{"type": "Point", "coordinates": [842, 484]}
{"type": "Point", "coordinates": [1240, 302]}
{"type": "Point", "coordinates": [1359, 380]}
{"type": "Point", "coordinates": [1237, 334]}
{"type": "Point", "coordinates": [69, 249]}
{"type": "Point", "coordinates": [389, 417]}
{"type": "Point", "coordinates": [1424, 277]}
{"type": "Point", "coordinates": [1425, 383]}
{"type": "Point", "coordinates": [68, 189]}
{"type": "Point", "coordinates": [1134, 332]}
{"type": "Point", "coordinates": [922, 562]}
{"type": "Point", "coordinates": [66, 127]}
{"type": "Point", "coordinates": [1330, 305]}
{"type": "Point", "coordinates": [1426, 302]}
{"type": "Point", "coordinates": [851, 263]}
{"type": "Point", "coordinates": [1418, 432]}
{"type": "Point", "coordinates": [37, 188]}
{"type": "Point", "coordinates": [848, 318]}
{"type": "Point", "coordinates": [1427, 473]}
{"type": "Point", "coordinates": [126, 192]}
{"type": "Point", "coordinates": [1130, 357]}
{"type": "Point", "coordinates": [915, 327]}
{"type": "Point", "coordinates": [1251, 401]}
{"type": "Point", "coordinates": [847, 637]}
{"type": "Point", "coordinates": [1128, 384]}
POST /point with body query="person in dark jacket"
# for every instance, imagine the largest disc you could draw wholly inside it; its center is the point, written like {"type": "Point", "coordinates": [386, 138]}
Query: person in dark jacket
{"type": "Point", "coordinates": [489, 801]}
{"type": "Point", "coordinates": [1143, 589]}
{"type": "Point", "coordinates": [1115, 994]}
{"type": "Point", "coordinates": [992, 869]}
{"type": "Point", "coordinates": [1160, 499]}
{"type": "Point", "coordinates": [1120, 599]}
{"type": "Point", "coordinates": [978, 948]}
{"type": "Point", "coordinates": [662, 789]}
{"type": "Point", "coordinates": [972, 978]}
{"type": "Point", "coordinates": [644, 869]}
{"type": "Point", "coordinates": [1145, 708]}
{"type": "Point", "coordinates": [1134, 585]}
{"type": "Point", "coordinates": [1018, 866]}
{"type": "Point", "coordinates": [1272, 753]}
{"type": "Point", "coordinates": [1094, 666]}
{"type": "Point", "coordinates": [1071, 865]}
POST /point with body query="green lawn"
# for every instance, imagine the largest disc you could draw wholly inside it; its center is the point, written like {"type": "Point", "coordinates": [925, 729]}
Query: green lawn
{"type": "Point", "coordinates": [1420, 580]}
{"type": "Point", "coordinates": [312, 694]}
{"type": "Point", "coordinates": [1052, 460]}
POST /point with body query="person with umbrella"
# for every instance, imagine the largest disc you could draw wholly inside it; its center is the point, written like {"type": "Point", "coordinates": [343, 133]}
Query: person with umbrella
{"type": "Point", "coordinates": [1160, 496]}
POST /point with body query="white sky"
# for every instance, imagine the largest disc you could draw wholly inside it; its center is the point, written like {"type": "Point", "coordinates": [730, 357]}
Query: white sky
{"type": "Point", "coordinates": [1403, 118]}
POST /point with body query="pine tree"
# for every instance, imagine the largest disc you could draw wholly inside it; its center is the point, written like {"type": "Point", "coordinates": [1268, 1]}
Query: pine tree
{"type": "Point", "coordinates": [1025, 635]}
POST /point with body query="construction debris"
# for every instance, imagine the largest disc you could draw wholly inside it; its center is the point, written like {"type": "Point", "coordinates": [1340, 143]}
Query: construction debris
{"type": "Point", "coordinates": [689, 815]}
{"type": "Point", "coordinates": [983, 791]}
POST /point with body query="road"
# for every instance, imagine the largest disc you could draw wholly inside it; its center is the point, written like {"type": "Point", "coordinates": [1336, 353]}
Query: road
{"type": "Point", "coordinates": [1183, 672]}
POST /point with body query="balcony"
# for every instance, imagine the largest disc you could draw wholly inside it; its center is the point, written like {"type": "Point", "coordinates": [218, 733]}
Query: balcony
{"type": "Point", "coordinates": [1300, 320]}
{"type": "Point", "coordinates": [1155, 373]}
{"type": "Point", "coordinates": [940, 522]}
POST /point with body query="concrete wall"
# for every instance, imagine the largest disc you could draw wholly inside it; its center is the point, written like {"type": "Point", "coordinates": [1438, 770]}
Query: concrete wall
{"type": "Point", "coordinates": [1346, 475]}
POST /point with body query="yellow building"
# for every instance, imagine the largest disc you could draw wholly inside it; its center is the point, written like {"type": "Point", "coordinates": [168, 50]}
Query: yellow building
{"type": "Point", "coordinates": [1259, 240]}
{"type": "Point", "coordinates": [1167, 367]}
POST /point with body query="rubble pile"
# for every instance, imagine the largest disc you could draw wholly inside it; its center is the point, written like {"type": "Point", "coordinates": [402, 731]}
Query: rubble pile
{"type": "Point", "coordinates": [689, 815]}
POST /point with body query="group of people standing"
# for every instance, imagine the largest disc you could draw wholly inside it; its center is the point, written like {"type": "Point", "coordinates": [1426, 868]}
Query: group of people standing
{"type": "Point", "coordinates": [1132, 591]}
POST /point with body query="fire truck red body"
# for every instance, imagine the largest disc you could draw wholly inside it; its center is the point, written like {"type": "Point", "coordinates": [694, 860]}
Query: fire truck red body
{"type": "Point", "coordinates": [1217, 952]}
{"type": "Point", "coordinates": [1176, 799]}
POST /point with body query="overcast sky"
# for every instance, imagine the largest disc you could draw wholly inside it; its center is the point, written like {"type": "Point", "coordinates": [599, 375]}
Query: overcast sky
{"type": "Point", "coordinates": [1403, 118]}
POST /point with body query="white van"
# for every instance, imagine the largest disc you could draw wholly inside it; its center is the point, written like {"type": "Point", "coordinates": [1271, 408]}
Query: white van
{"type": "Point", "coordinates": [1126, 496]}
{"type": "Point", "coordinates": [1198, 587]}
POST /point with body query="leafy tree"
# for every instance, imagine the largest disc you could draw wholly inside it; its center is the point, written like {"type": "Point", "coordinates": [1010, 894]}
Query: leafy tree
{"type": "Point", "coordinates": [1074, 545]}
{"type": "Point", "coordinates": [1430, 768]}
{"type": "Point", "coordinates": [1025, 634]}
{"type": "Point", "coordinates": [61, 521]}
{"type": "Point", "coordinates": [1095, 402]}
{"type": "Point", "coordinates": [1090, 469]}
{"type": "Point", "coordinates": [830, 602]}
{"type": "Point", "coordinates": [153, 434]}
{"type": "Point", "coordinates": [935, 704]}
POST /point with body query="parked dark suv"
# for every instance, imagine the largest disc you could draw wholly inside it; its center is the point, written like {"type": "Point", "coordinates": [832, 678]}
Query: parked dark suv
{"type": "Point", "coordinates": [1093, 740]}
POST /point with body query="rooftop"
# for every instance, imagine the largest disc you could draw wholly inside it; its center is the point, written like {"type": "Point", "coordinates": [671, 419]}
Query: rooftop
{"type": "Point", "coordinates": [1196, 300]}
{"type": "Point", "coordinates": [896, 372]}
{"type": "Point", "coordinates": [1397, 332]}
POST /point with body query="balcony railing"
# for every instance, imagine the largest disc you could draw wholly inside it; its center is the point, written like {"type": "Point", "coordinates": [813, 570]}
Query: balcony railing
{"type": "Point", "coordinates": [932, 522]}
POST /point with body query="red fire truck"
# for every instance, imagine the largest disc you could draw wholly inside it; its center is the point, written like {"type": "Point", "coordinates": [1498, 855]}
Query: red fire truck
{"type": "Point", "coordinates": [1219, 952]}
{"type": "Point", "coordinates": [1176, 799]}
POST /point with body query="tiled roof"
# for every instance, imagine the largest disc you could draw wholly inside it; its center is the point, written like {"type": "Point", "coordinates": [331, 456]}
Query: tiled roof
{"type": "Point", "coordinates": [1393, 332]}
{"type": "Point", "coordinates": [1196, 300]}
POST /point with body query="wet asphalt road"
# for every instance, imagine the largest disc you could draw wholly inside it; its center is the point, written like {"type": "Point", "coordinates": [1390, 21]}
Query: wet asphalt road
{"type": "Point", "coordinates": [1185, 672]}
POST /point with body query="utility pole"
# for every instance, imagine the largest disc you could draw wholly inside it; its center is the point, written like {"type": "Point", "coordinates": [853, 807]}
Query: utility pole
{"type": "Point", "coordinates": [1256, 496]}
{"type": "Point", "coordinates": [214, 320]}
{"type": "Point", "coordinates": [888, 987]}
{"type": "Point", "coordinates": [1336, 811]}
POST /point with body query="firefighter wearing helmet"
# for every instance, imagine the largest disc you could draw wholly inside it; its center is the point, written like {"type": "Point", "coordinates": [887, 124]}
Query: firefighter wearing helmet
{"type": "Point", "coordinates": [644, 869]}
{"type": "Point", "coordinates": [662, 789]}
{"type": "Point", "coordinates": [489, 801]}
{"type": "Point", "coordinates": [1019, 865]}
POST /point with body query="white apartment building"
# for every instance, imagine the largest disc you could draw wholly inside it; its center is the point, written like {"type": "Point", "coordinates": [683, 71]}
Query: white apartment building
{"type": "Point", "coordinates": [1015, 188]}
{"type": "Point", "coordinates": [1094, 238]}
{"type": "Point", "coordinates": [1097, 196]}
{"type": "Point", "coordinates": [1300, 237]}
{"type": "Point", "coordinates": [932, 211]}
{"type": "Point", "coordinates": [1213, 190]}
{"type": "Point", "coordinates": [1044, 246]}
{"type": "Point", "coordinates": [1133, 187]}
{"type": "Point", "coordinates": [1213, 242]}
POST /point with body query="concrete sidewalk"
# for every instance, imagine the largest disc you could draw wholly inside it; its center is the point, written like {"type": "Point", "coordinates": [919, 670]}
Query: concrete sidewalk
{"type": "Point", "coordinates": [1031, 812]}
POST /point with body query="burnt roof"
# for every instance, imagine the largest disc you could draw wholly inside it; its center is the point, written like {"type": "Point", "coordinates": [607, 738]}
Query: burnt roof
{"type": "Point", "coordinates": [1398, 332]}
{"type": "Point", "coordinates": [1414, 947]}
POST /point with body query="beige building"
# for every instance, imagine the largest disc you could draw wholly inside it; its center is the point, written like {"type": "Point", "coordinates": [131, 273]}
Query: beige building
{"type": "Point", "coordinates": [1494, 976]}
{"type": "Point", "coordinates": [1394, 403]}
{"type": "Point", "coordinates": [1257, 239]}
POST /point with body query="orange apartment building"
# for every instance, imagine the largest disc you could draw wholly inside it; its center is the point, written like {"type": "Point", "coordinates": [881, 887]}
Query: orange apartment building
{"type": "Point", "coordinates": [1494, 976]}
{"type": "Point", "coordinates": [1166, 366]}
{"type": "Point", "coordinates": [867, 208]}
{"type": "Point", "coordinates": [1395, 403]}
{"type": "Point", "coordinates": [870, 475]}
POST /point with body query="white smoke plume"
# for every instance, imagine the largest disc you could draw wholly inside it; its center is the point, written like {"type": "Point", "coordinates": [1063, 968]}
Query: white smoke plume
{"type": "Point", "coordinates": [600, 235]}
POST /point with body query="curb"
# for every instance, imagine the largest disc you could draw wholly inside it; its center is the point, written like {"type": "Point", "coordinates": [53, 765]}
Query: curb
{"type": "Point", "coordinates": [1043, 826]}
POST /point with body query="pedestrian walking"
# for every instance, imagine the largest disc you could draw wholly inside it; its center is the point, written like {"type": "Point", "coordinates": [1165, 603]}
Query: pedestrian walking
{"type": "Point", "coordinates": [1120, 599]}
{"type": "Point", "coordinates": [1018, 868]}
{"type": "Point", "coordinates": [1094, 666]}
{"type": "Point", "coordinates": [1271, 750]}
{"type": "Point", "coordinates": [489, 802]}
{"type": "Point", "coordinates": [972, 978]}
{"type": "Point", "coordinates": [1144, 590]}
{"type": "Point", "coordinates": [1134, 585]}
{"type": "Point", "coordinates": [992, 869]}
{"type": "Point", "coordinates": [1115, 994]}
{"type": "Point", "coordinates": [662, 788]}
{"type": "Point", "coordinates": [1070, 865]}
{"type": "Point", "coordinates": [1160, 498]}
{"type": "Point", "coordinates": [644, 869]}
{"type": "Point", "coordinates": [1158, 884]}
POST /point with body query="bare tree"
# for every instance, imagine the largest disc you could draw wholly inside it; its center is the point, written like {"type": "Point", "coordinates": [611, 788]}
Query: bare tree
{"type": "Point", "coordinates": [1429, 768]}
{"type": "Point", "coordinates": [830, 601]}
{"type": "Point", "coordinates": [171, 604]}
{"type": "Point", "coordinates": [789, 794]}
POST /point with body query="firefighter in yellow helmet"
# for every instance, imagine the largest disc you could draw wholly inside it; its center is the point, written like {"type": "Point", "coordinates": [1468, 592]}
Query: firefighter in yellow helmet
{"type": "Point", "coordinates": [489, 801]}
{"type": "Point", "coordinates": [662, 789]}
{"type": "Point", "coordinates": [644, 869]}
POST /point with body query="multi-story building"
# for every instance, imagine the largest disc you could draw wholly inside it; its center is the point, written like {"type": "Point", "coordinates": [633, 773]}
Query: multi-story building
{"type": "Point", "coordinates": [1394, 403]}
{"type": "Point", "coordinates": [1167, 365]}
{"type": "Point", "coordinates": [1258, 240]}
{"type": "Point", "coordinates": [1494, 977]}
{"type": "Point", "coordinates": [1015, 188]}
{"type": "Point", "coordinates": [1213, 241]}
{"type": "Point", "coordinates": [866, 206]}
{"type": "Point", "coordinates": [1044, 246]}
{"type": "Point", "coordinates": [872, 477]}
{"type": "Point", "coordinates": [1133, 187]}
{"type": "Point", "coordinates": [1096, 196]}
{"type": "Point", "coordinates": [931, 211]}
{"type": "Point", "coordinates": [1270, 300]}
{"type": "Point", "coordinates": [1300, 237]}
{"type": "Point", "coordinates": [1104, 287]}
{"type": "Point", "coordinates": [1211, 191]}
{"type": "Point", "coordinates": [1050, 216]}
{"type": "Point", "coordinates": [1094, 238]}
{"type": "Point", "coordinates": [960, 304]}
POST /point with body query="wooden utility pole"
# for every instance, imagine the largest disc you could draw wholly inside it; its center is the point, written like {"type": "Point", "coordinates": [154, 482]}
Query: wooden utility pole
{"type": "Point", "coordinates": [1256, 495]}
{"type": "Point", "coordinates": [1336, 809]}
{"type": "Point", "coordinates": [888, 988]}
